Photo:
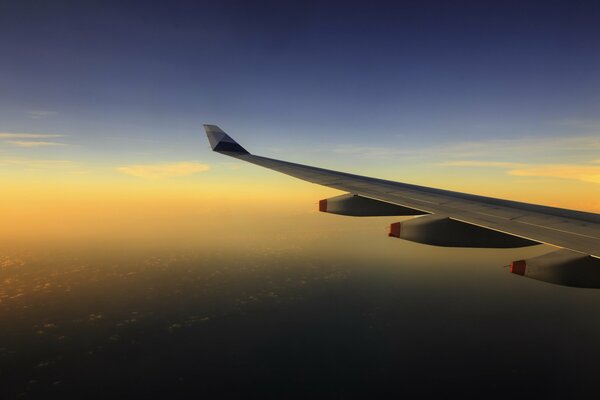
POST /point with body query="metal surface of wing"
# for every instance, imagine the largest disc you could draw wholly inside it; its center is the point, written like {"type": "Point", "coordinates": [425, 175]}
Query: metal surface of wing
{"type": "Point", "coordinates": [575, 230]}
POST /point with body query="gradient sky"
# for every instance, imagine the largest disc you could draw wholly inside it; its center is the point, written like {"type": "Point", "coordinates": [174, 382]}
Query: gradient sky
{"type": "Point", "coordinates": [103, 102]}
{"type": "Point", "coordinates": [130, 248]}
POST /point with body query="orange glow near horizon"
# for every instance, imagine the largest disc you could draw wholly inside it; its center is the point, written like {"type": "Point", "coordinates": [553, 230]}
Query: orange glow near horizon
{"type": "Point", "coordinates": [39, 205]}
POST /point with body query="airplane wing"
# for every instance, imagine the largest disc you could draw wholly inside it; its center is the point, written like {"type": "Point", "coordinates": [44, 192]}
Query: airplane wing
{"type": "Point", "coordinates": [454, 219]}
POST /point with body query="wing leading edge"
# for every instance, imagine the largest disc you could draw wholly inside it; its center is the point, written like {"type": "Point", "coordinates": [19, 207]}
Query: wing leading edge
{"type": "Point", "coordinates": [568, 229]}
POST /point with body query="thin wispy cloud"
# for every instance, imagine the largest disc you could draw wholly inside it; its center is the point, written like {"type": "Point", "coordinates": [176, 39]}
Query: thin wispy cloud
{"type": "Point", "coordinates": [542, 146]}
{"type": "Point", "coordinates": [163, 170]}
{"type": "Point", "coordinates": [33, 143]}
{"type": "Point", "coordinates": [526, 145]}
{"type": "Point", "coordinates": [585, 173]}
{"type": "Point", "coordinates": [16, 135]}
{"type": "Point", "coordinates": [475, 163]}
{"type": "Point", "coordinates": [545, 156]}
{"type": "Point", "coordinates": [37, 164]}
{"type": "Point", "coordinates": [39, 114]}
{"type": "Point", "coordinates": [19, 139]}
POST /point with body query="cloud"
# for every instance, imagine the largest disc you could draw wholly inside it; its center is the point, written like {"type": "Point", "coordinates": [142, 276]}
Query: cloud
{"type": "Point", "coordinates": [523, 147]}
{"type": "Point", "coordinates": [586, 173]}
{"type": "Point", "coordinates": [476, 163]}
{"type": "Point", "coordinates": [38, 164]}
{"type": "Point", "coordinates": [13, 135]}
{"type": "Point", "coordinates": [33, 143]}
{"type": "Point", "coordinates": [39, 114]}
{"type": "Point", "coordinates": [573, 157]}
{"type": "Point", "coordinates": [153, 171]}
{"type": "Point", "coordinates": [542, 145]}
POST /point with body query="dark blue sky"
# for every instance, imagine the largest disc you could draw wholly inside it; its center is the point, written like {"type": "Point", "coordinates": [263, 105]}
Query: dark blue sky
{"type": "Point", "coordinates": [118, 74]}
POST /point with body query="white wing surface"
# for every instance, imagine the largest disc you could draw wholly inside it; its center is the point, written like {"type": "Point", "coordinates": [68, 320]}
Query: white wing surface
{"type": "Point", "coordinates": [448, 218]}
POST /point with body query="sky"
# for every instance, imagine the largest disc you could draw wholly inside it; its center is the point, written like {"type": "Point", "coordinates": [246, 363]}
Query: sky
{"type": "Point", "coordinates": [127, 245]}
{"type": "Point", "coordinates": [102, 105]}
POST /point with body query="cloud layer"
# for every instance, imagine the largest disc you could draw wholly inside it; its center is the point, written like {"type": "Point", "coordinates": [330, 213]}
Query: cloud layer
{"type": "Point", "coordinates": [542, 146]}
{"type": "Point", "coordinates": [586, 173]}
{"type": "Point", "coordinates": [38, 114]}
{"type": "Point", "coordinates": [546, 156]}
{"type": "Point", "coordinates": [26, 139]}
{"type": "Point", "coordinates": [477, 163]}
{"type": "Point", "coordinates": [15, 135]}
{"type": "Point", "coordinates": [33, 143]}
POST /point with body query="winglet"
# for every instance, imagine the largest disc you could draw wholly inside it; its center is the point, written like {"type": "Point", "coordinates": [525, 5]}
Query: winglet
{"type": "Point", "coordinates": [222, 142]}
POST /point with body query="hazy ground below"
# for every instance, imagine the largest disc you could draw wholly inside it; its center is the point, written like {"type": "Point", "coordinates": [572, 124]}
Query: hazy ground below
{"type": "Point", "coordinates": [339, 311]}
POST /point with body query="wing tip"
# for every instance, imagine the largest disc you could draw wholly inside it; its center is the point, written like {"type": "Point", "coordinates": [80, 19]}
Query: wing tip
{"type": "Point", "coordinates": [221, 142]}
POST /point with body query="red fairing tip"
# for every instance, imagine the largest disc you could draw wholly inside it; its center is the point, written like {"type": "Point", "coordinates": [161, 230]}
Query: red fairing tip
{"type": "Point", "coordinates": [518, 267]}
{"type": "Point", "coordinates": [323, 205]}
{"type": "Point", "coordinates": [395, 230]}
